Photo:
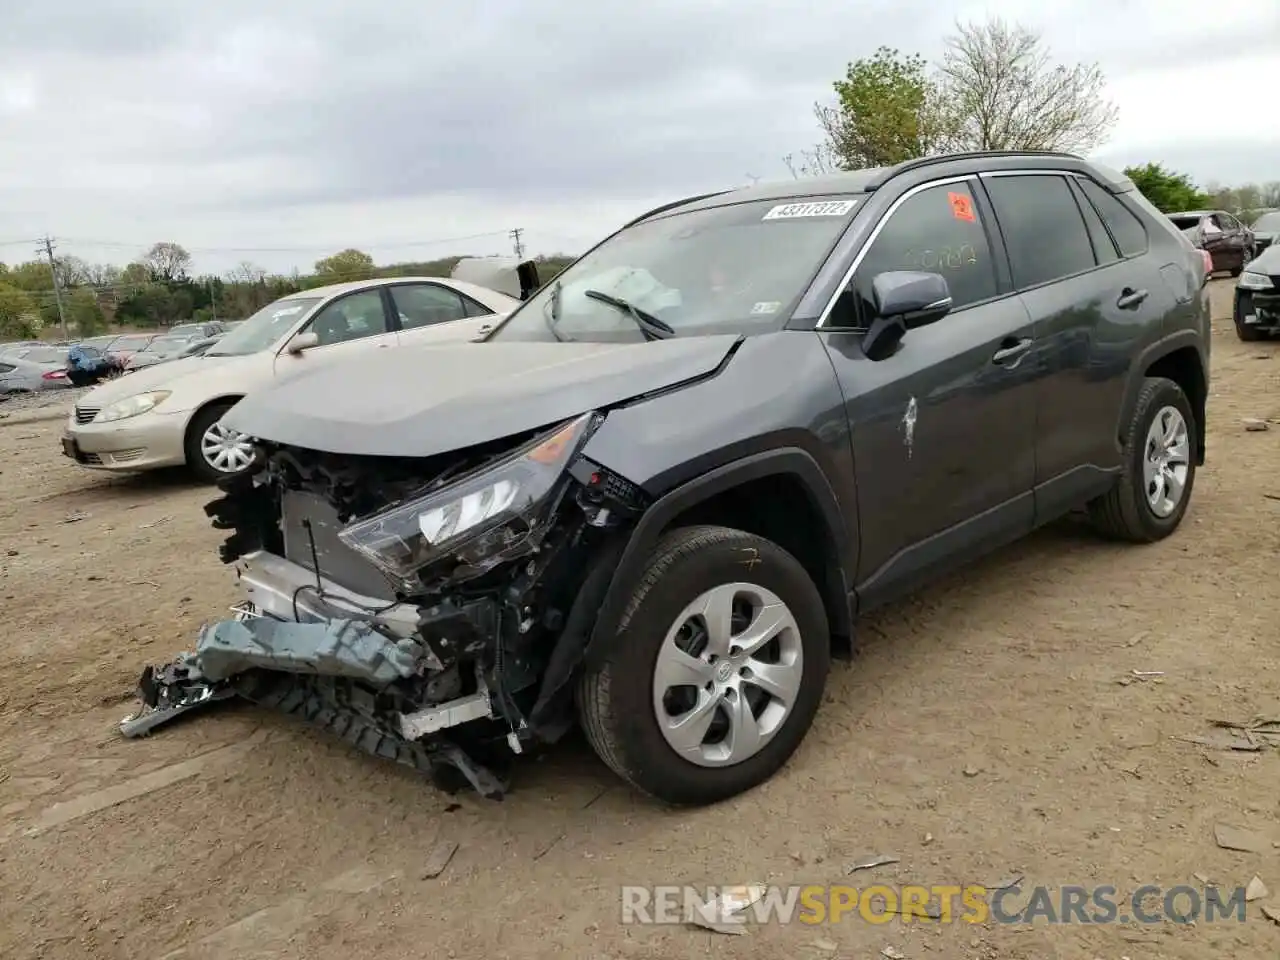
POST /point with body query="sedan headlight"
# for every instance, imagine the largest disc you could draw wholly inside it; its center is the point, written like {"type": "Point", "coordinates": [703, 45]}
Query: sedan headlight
{"type": "Point", "coordinates": [131, 406]}
{"type": "Point", "coordinates": [479, 520]}
{"type": "Point", "coordinates": [1254, 281]}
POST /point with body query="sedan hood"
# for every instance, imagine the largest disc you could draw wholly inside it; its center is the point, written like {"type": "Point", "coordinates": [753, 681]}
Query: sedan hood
{"type": "Point", "coordinates": [157, 376]}
{"type": "Point", "coordinates": [421, 401]}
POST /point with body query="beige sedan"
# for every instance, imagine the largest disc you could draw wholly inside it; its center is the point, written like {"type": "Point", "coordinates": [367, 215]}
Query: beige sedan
{"type": "Point", "coordinates": [168, 415]}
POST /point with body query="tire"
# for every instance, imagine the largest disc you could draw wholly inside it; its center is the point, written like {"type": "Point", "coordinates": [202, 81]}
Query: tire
{"type": "Point", "coordinates": [1249, 334]}
{"type": "Point", "coordinates": [1246, 257]}
{"type": "Point", "coordinates": [200, 424]}
{"type": "Point", "coordinates": [618, 705]}
{"type": "Point", "coordinates": [1126, 512]}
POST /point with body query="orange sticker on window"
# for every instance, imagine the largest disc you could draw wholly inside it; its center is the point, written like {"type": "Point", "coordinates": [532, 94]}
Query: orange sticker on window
{"type": "Point", "coordinates": [961, 207]}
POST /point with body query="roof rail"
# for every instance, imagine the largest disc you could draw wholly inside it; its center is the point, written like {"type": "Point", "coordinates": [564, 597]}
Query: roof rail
{"type": "Point", "coordinates": [919, 162]}
{"type": "Point", "coordinates": [671, 206]}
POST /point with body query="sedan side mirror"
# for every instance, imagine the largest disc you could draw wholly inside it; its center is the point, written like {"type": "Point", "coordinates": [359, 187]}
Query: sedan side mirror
{"type": "Point", "coordinates": [904, 299]}
{"type": "Point", "coordinates": [302, 341]}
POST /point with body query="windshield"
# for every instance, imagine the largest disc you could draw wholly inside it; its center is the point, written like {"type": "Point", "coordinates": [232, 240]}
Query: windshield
{"type": "Point", "coordinates": [166, 344]}
{"type": "Point", "coordinates": [1268, 222]}
{"type": "Point", "coordinates": [264, 328]}
{"type": "Point", "coordinates": [736, 268]}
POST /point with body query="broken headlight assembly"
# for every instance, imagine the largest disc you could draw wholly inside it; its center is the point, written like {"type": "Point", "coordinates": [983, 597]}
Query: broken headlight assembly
{"type": "Point", "coordinates": [479, 520]}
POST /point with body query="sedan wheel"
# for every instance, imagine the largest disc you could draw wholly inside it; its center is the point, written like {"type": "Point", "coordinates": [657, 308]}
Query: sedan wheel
{"type": "Point", "coordinates": [1166, 461]}
{"type": "Point", "coordinates": [226, 450]}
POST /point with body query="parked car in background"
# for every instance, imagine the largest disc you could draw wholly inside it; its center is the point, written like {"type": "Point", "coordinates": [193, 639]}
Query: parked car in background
{"type": "Point", "coordinates": [168, 414]}
{"type": "Point", "coordinates": [1256, 309]}
{"type": "Point", "coordinates": [1266, 231]}
{"type": "Point", "coordinates": [1228, 241]}
{"type": "Point", "coordinates": [33, 370]}
{"type": "Point", "coordinates": [197, 331]}
{"type": "Point", "coordinates": [16, 345]}
{"type": "Point", "coordinates": [88, 365]}
{"type": "Point", "coordinates": [123, 347]}
{"type": "Point", "coordinates": [162, 349]}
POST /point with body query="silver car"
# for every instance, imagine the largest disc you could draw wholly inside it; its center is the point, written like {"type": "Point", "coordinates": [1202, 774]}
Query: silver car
{"type": "Point", "coordinates": [33, 370]}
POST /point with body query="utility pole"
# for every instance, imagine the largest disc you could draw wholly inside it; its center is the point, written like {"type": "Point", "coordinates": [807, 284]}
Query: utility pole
{"type": "Point", "coordinates": [47, 250]}
{"type": "Point", "coordinates": [515, 237]}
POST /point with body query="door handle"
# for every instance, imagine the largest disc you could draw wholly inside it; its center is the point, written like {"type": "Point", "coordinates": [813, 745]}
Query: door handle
{"type": "Point", "coordinates": [1011, 350]}
{"type": "Point", "coordinates": [1130, 297]}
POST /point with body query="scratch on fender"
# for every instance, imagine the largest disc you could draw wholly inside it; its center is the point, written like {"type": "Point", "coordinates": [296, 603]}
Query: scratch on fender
{"type": "Point", "coordinates": [909, 427]}
{"type": "Point", "coordinates": [752, 559]}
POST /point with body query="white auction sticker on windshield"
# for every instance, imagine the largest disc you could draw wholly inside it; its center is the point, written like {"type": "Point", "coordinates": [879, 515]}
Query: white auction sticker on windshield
{"type": "Point", "coordinates": [827, 208]}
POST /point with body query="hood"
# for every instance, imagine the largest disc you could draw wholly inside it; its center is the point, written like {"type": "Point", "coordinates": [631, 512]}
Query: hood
{"type": "Point", "coordinates": [421, 401]}
{"type": "Point", "coordinates": [157, 376]}
{"type": "Point", "coordinates": [1268, 262]}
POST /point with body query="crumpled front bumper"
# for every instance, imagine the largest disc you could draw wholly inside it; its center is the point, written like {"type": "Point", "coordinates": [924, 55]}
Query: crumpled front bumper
{"type": "Point", "coordinates": [286, 648]}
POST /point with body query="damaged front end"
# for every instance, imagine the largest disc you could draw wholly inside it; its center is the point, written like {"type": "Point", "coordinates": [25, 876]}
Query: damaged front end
{"type": "Point", "coordinates": [428, 611]}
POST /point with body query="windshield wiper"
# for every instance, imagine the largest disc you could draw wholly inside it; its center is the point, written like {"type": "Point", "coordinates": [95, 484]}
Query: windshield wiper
{"type": "Point", "coordinates": [650, 326]}
{"type": "Point", "coordinates": [551, 313]}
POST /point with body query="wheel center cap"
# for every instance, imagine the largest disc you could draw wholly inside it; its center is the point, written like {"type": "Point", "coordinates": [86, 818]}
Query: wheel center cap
{"type": "Point", "coordinates": [724, 670]}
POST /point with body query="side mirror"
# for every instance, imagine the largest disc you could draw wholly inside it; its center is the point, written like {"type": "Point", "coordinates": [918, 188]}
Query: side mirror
{"type": "Point", "coordinates": [302, 341]}
{"type": "Point", "coordinates": [917, 299]}
{"type": "Point", "coordinates": [903, 299]}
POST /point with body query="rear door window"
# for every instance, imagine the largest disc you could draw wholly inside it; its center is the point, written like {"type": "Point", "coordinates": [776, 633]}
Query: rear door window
{"type": "Point", "coordinates": [426, 304]}
{"type": "Point", "coordinates": [1043, 229]}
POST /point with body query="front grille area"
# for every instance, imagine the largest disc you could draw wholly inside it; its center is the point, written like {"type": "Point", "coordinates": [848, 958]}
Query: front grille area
{"type": "Point", "coordinates": [305, 518]}
{"type": "Point", "coordinates": [86, 414]}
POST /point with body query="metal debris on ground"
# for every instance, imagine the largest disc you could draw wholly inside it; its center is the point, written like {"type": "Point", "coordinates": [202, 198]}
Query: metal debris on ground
{"type": "Point", "coordinates": [438, 859]}
{"type": "Point", "coordinates": [1142, 676]}
{"type": "Point", "coordinates": [75, 517]}
{"type": "Point", "coordinates": [723, 914]}
{"type": "Point", "coordinates": [1258, 734]}
{"type": "Point", "coordinates": [893, 953]}
{"type": "Point", "coordinates": [1234, 838]}
{"type": "Point", "coordinates": [1254, 425]}
{"type": "Point", "coordinates": [870, 863]}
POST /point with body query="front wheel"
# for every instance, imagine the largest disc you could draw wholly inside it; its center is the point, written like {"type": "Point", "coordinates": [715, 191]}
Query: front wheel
{"type": "Point", "coordinates": [214, 452]}
{"type": "Point", "coordinates": [1159, 467]}
{"type": "Point", "coordinates": [716, 672]}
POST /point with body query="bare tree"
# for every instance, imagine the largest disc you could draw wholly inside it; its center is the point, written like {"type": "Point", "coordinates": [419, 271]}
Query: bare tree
{"type": "Point", "coordinates": [167, 262]}
{"type": "Point", "coordinates": [1005, 92]}
{"type": "Point", "coordinates": [246, 272]}
{"type": "Point", "coordinates": [811, 163]}
{"type": "Point", "coordinates": [1270, 194]}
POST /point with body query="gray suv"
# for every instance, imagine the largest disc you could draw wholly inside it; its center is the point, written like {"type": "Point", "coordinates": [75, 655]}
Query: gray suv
{"type": "Point", "coordinates": [654, 498]}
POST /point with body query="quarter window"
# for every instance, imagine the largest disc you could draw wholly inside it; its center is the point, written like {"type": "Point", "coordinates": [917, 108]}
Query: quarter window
{"type": "Point", "coordinates": [426, 304]}
{"type": "Point", "coordinates": [938, 230]}
{"type": "Point", "coordinates": [351, 318]}
{"type": "Point", "coordinates": [1104, 250]}
{"type": "Point", "coordinates": [1043, 228]}
{"type": "Point", "coordinates": [1125, 227]}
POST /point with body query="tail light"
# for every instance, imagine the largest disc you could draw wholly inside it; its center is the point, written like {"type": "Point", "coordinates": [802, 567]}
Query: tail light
{"type": "Point", "coordinates": [54, 375]}
{"type": "Point", "coordinates": [1207, 258]}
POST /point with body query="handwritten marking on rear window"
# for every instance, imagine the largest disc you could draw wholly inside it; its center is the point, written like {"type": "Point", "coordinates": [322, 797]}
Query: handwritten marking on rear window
{"type": "Point", "coordinates": [828, 208]}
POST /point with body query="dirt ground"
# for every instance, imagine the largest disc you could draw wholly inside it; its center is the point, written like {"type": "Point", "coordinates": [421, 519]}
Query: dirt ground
{"type": "Point", "coordinates": [984, 730]}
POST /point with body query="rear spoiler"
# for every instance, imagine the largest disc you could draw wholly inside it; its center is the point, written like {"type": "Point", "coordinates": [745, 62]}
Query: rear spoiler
{"type": "Point", "coordinates": [507, 275]}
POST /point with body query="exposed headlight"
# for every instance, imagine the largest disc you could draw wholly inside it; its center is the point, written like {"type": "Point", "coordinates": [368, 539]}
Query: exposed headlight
{"type": "Point", "coordinates": [131, 406]}
{"type": "Point", "coordinates": [480, 520]}
{"type": "Point", "coordinates": [1254, 281]}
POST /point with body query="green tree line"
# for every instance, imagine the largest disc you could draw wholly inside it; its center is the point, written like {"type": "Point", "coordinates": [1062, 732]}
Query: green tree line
{"type": "Point", "coordinates": [158, 290]}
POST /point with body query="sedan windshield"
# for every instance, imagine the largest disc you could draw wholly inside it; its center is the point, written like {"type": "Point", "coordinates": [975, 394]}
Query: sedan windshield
{"type": "Point", "coordinates": [264, 329]}
{"type": "Point", "coordinates": [736, 268]}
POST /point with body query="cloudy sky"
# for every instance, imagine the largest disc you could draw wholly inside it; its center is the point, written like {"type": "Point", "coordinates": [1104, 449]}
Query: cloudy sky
{"type": "Point", "coordinates": [278, 131]}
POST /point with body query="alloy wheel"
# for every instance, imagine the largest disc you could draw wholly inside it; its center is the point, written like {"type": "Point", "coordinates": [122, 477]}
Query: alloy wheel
{"type": "Point", "coordinates": [1166, 461]}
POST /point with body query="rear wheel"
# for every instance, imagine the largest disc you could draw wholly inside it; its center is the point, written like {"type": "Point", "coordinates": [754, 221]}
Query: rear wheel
{"type": "Point", "coordinates": [1150, 498]}
{"type": "Point", "coordinates": [213, 451]}
{"type": "Point", "coordinates": [1246, 257]}
{"type": "Point", "coordinates": [717, 670]}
